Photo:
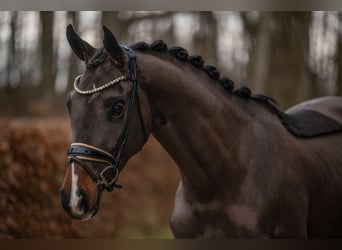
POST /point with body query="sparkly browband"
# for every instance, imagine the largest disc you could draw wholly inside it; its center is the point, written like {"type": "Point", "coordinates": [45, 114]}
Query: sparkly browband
{"type": "Point", "coordinates": [98, 89]}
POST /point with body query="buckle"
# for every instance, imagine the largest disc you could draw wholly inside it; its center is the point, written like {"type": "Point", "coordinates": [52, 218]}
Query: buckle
{"type": "Point", "coordinates": [103, 178]}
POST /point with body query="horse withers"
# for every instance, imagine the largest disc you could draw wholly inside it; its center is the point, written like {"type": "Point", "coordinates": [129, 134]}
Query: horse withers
{"type": "Point", "coordinates": [247, 169]}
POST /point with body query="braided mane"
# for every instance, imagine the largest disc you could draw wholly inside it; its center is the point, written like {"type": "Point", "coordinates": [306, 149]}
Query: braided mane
{"type": "Point", "coordinates": [198, 62]}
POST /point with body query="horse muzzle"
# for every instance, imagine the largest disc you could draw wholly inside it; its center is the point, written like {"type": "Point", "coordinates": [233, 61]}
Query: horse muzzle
{"type": "Point", "coordinates": [78, 205]}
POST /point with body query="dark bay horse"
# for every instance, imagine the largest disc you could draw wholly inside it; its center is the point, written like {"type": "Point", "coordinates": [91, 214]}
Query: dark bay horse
{"type": "Point", "coordinates": [247, 169]}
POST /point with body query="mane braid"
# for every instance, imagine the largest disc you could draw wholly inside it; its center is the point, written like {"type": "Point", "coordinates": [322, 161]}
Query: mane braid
{"type": "Point", "coordinates": [228, 84]}
{"type": "Point", "coordinates": [212, 71]}
{"type": "Point", "coordinates": [141, 46]}
{"type": "Point", "coordinates": [196, 61]}
{"type": "Point", "coordinates": [159, 46]}
{"type": "Point", "coordinates": [179, 53]}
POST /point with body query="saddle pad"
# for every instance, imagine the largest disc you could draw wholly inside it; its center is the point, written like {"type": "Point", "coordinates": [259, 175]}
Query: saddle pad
{"type": "Point", "coordinates": [309, 123]}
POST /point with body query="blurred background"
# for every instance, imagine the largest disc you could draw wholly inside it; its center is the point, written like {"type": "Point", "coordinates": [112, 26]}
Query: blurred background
{"type": "Point", "coordinates": [290, 56]}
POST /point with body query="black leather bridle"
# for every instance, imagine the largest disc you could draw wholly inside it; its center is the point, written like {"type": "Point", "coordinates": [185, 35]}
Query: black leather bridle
{"type": "Point", "coordinates": [81, 152]}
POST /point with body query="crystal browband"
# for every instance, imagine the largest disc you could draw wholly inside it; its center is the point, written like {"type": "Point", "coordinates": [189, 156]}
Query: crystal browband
{"type": "Point", "coordinates": [98, 89]}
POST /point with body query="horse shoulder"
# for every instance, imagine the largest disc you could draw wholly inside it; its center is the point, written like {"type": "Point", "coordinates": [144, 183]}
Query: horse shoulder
{"type": "Point", "coordinates": [182, 222]}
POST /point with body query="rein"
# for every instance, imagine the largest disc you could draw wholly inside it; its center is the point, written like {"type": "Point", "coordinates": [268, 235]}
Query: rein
{"type": "Point", "coordinates": [81, 152]}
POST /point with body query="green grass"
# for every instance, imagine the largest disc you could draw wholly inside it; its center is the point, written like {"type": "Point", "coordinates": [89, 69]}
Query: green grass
{"type": "Point", "coordinates": [135, 232]}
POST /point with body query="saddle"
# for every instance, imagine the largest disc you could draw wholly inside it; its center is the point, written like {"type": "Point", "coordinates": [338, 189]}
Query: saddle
{"type": "Point", "coordinates": [309, 123]}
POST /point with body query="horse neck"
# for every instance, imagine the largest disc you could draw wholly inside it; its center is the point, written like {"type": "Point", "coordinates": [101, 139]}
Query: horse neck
{"type": "Point", "coordinates": [198, 123]}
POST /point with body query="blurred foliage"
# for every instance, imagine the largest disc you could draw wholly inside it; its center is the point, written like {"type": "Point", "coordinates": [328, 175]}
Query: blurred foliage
{"type": "Point", "coordinates": [33, 162]}
{"type": "Point", "coordinates": [291, 56]}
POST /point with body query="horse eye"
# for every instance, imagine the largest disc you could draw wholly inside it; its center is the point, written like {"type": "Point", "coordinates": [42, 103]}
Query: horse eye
{"type": "Point", "coordinates": [116, 109]}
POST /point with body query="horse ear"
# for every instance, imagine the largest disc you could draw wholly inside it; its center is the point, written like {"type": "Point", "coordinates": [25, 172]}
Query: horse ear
{"type": "Point", "coordinates": [82, 49]}
{"type": "Point", "coordinates": [112, 46]}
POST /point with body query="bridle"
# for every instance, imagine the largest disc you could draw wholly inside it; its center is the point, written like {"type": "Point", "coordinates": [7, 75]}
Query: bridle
{"type": "Point", "coordinates": [81, 152]}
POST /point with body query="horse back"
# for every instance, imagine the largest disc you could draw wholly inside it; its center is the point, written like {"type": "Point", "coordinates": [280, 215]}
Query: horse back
{"type": "Point", "coordinates": [330, 106]}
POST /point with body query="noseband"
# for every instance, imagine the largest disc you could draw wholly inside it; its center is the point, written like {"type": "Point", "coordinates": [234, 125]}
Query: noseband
{"type": "Point", "coordinates": [81, 152]}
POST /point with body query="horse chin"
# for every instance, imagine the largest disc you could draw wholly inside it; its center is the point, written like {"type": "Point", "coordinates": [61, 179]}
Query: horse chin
{"type": "Point", "coordinates": [88, 216]}
{"type": "Point", "coordinates": [84, 216]}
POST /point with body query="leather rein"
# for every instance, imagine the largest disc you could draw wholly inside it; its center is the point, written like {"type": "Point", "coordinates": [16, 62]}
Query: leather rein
{"type": "Point", "coordinates": [81, 153]}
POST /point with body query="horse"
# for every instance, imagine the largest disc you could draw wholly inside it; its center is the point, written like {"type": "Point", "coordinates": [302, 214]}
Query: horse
{"type": "Point", "coordinates": [248, 170]}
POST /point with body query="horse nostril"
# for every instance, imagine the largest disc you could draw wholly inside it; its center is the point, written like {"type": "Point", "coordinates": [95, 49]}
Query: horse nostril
{"type": "Point", "coordinates": [84, 202]}
{"type": "Point", "coordinates": [65, 200]}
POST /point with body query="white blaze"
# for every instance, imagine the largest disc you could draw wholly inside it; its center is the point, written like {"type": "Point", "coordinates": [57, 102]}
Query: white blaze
{"type": "Point", "coordinates": [74, 198]}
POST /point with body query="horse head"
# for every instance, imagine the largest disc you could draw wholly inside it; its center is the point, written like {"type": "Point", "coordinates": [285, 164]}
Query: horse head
{"type": "Point", "coordinates": [110, 121]}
